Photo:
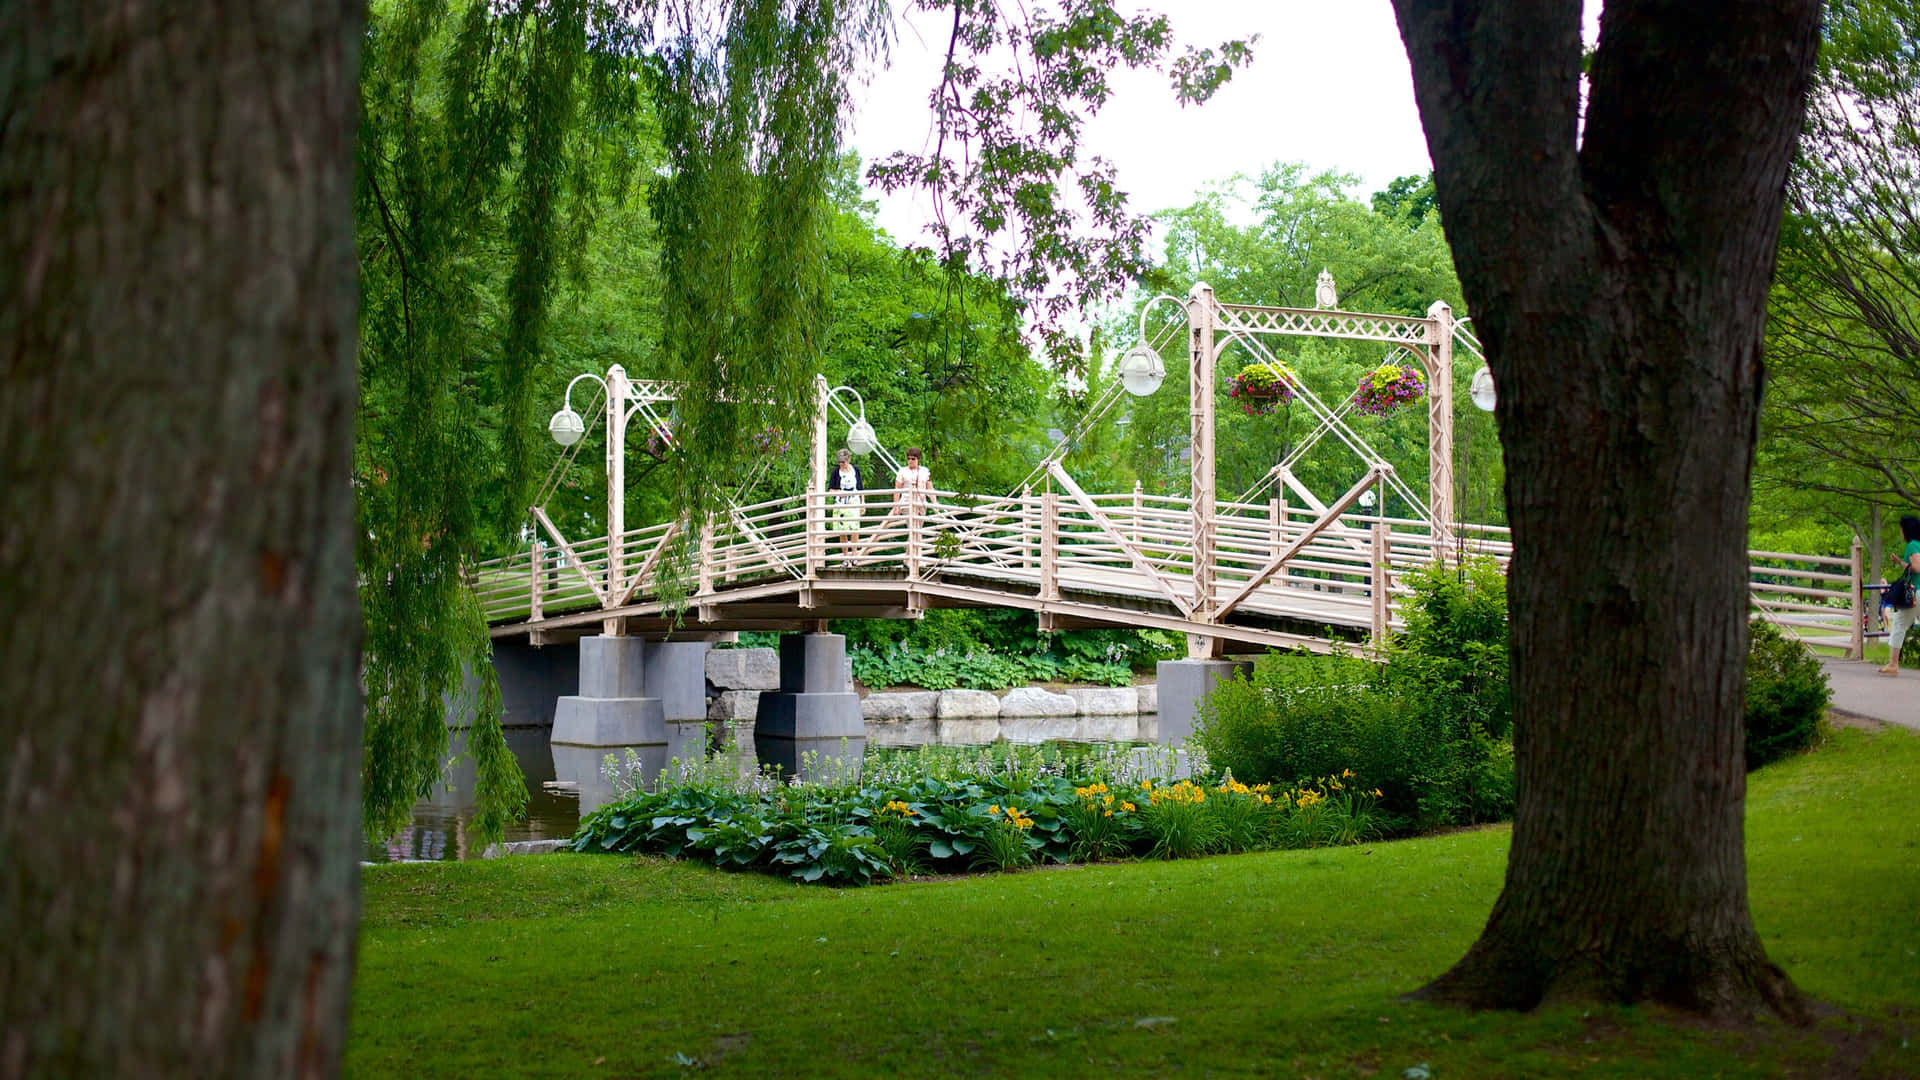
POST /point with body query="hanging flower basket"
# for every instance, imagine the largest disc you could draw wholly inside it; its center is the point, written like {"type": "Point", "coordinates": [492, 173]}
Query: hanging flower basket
{"type": "Point", "coordinates": [660, 444]}
{"type": "Point", "coordinates": [1388, 387]}
{"type": "Point", "coordinates": [1259, 389]}
{"type": "Point", "coordinates": [770, 440]}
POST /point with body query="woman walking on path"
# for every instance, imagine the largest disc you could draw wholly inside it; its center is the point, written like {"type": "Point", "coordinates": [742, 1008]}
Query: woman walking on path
{"type": "Point", "coordinates": [1900, 620]}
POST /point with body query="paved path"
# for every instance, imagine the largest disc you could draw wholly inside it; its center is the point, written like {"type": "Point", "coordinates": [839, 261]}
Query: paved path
{"type": "Point", "coordinates": [1857, 690]}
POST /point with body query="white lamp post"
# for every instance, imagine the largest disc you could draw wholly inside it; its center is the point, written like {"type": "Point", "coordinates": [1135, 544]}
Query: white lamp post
{"type": "Point", "coordinates": [566, 428]}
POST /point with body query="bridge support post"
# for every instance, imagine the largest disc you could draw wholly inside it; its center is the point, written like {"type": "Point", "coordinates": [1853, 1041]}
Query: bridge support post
{"type": "Point", "coordinates": [612, 707]}
{"type": "Point", "coordinates": [815, 711]}
{"type": "Point", "coordinates": [1439, 364]}
{"type": "Point", "coordinates": [1184, 684]}
{"type": "Point", "coordinates": [1201, 356]}
{"type": "Point", "coordinates": [1857, 612]}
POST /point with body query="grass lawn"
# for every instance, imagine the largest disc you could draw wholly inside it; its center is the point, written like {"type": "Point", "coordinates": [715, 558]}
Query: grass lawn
{"type": "Point", "coordinates": [1279, 964]}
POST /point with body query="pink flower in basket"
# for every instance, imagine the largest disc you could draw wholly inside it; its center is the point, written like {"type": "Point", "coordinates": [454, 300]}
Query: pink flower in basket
{"type": "Point", "coordinates": [1261, 388]}
{"type": "Point", "coordinates": [1388, 387]}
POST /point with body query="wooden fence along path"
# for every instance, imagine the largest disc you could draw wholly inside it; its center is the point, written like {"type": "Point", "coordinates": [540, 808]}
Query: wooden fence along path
{"type": "Point", "coordinates": [1278, 575]}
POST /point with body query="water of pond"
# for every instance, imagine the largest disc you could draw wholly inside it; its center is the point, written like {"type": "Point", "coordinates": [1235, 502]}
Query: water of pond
{"type": "Point", "coordinates": [562, 780]}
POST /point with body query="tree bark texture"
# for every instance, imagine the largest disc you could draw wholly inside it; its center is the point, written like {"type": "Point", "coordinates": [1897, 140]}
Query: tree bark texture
{"type": "Point", "coordinates": [1618, 278]}
{"type": "Point", "coordinates": [179, 634]}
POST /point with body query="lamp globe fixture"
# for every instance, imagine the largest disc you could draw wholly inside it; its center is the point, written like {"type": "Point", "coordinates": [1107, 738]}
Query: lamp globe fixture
{"type": "Point", "coordinates": [1482, 390]}
{"type": "Point", "coordinates": [566, 427]}
{"type": "Point", "coordinates": [1142, 371]}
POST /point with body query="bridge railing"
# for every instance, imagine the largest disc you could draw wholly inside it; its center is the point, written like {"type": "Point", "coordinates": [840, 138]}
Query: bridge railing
{"type": "Point", "coordinates": [1811, 597]}
{"type": "Point", "coordinates": [1122, 545]}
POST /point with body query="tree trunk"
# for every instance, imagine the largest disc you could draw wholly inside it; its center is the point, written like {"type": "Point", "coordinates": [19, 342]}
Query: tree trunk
{"type": "Point", "coordinates": [1619, 285]}
{"type": "Point", "coordinates": [179, 638]}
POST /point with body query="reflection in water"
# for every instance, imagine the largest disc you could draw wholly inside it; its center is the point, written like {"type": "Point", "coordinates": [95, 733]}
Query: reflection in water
{"type": "Point", "coordinates": [564, 782]}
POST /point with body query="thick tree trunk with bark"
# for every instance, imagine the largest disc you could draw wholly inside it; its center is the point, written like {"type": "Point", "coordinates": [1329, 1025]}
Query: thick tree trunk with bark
{"type": "Point", "coordinates": [1619, 284]}
{"type": "Point", "coordinates": [178, 627]}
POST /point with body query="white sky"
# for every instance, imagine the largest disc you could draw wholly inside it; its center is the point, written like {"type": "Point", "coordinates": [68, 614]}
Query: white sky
{"type": "Point", "coordinates": [1329, 86]}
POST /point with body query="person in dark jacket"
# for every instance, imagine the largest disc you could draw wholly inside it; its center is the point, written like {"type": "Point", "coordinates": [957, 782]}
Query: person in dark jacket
{"type": "Point", "coordinates": [844, 484]}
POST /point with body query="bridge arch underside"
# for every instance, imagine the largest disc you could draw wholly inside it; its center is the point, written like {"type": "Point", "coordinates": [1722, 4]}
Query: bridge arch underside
{"type": "Point", "coordinates": [1331, 615]}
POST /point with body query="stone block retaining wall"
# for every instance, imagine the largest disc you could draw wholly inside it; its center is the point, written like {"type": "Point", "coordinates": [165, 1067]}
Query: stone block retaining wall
{"type": "Point", "coordinates": [735, 678]}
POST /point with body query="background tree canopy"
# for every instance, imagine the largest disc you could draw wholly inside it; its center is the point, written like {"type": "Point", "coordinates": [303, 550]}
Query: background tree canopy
{"type": "Point", "coordinates": [1837, 455]}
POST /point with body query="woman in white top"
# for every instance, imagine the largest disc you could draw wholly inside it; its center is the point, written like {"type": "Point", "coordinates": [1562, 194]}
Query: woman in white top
{"type": "Point", "coordinates": [845, 484]}
{"type": "Point", "coordinates": [913, 484]}
{"type": "Point", "coordinates": [912, 490]}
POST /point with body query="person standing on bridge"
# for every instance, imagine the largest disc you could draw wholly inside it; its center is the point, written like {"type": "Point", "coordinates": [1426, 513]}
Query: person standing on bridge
{"type": "Point", "coordinates": [1900, 620]}
{"type": "Point", "coordinates": [912, 491]}
{"type": "Point", "coordinates": [846, 484]}
{"type": "Point", "coordinates": [913, 483]}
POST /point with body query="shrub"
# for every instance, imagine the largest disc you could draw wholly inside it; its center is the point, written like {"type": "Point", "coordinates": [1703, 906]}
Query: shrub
{"type": "Point", "coordinates": [992, 649]}
{"type": "Point", "coordinates": [1452, 656]}
{"type": "Point", "coordinates": [1297, 716]}
{"type": "Point", "coordinates": [1430, 730]}
{"type": "Point", "coordinates": [1787, 694]}
{"type": "Point", "coordinates": [1302, 716]}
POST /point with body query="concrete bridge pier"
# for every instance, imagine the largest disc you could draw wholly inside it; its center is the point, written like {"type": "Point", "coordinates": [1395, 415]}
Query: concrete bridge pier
{"type": "Point", "coordinates": [814, 710]}
{"type": "Point", "coordinates": [632, 692]}
{"type": "Point", "coordinates": [1184, 684]}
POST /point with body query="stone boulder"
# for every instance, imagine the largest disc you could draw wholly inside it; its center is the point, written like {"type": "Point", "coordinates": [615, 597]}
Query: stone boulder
{"type": "Point", "coordinates": [906, 705]}
{"type": "Point", "coordinates": [968, 703]}
{"type": "Point", "coordinates": [1149, 697]}
{"type": "Point", "coordinates": [1105, 700]}
{"type": "Point", "coordinates": [743, 669]}
{"type": "Point", "coordinates": [735, 705]}
{"type": "Point", "coordinates": [1033, 701]}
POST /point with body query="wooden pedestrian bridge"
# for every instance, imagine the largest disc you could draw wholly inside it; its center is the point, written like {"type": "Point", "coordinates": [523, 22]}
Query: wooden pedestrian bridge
{"type": "Point", "coordinates": [1285, 569]}
{"type": "Point", "coordinates": [1280, 576]}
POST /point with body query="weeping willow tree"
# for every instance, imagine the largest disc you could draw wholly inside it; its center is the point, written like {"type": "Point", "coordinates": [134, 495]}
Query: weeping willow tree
{"type": "Point", "coordinates": [493, 135]}
{"type": "Point", "coordinates": [490, 134]}
{"type": "Point", "coordinates": [752, 99]}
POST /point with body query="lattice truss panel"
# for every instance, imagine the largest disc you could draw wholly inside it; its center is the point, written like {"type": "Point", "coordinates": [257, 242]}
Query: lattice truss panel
{"type": "Point", "coordinates": [1252, 319]}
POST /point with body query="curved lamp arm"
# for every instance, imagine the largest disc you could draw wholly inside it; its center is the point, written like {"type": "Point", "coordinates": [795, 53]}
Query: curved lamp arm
{"type": "Point", "coordinates": [566, 427]}
{"type": "Point", "coordinates": [861, 438]}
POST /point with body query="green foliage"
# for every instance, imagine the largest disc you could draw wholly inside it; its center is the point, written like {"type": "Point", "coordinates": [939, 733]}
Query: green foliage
{"type": "Point", "coordinates": [489, 135]}
{"type": "Point", "coordinates": [751, 104]}
{"type": "Point", "coordinates": [996, 648]}
{"type": "Point", "coordinates": [901, 664]}
{"type": "Point", "coordinates": [1843, 374]}
{"type": "Point", "coordinates": [1451, 657]}
{"type": "Point", "coordinates": [1408, 199]}
{"type": "Point", "coordinates": [951, 810]}
{"type": "Point", "coordinates": [1787, 696]}
{"type": "Point", "coordinates": [937, 357]}
{"type": "Point", "coordinates": [1429, 729]}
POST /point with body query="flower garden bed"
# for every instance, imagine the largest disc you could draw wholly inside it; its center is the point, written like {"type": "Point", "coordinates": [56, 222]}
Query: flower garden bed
{"type": "Point", "coordinates": [942, 810]}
